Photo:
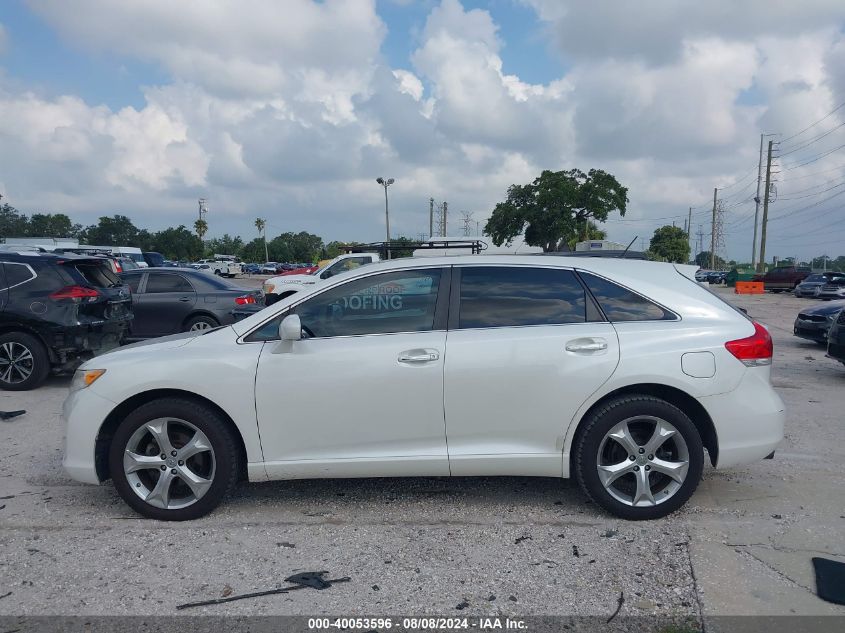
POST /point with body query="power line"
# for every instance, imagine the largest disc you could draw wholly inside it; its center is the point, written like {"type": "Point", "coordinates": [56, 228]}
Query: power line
{"type": "Point", "coordinates": [813, 160]}
{"type": "Point", "coordinates": [812, 125]}
{"type": "Point", "coordinates": [812, 141]}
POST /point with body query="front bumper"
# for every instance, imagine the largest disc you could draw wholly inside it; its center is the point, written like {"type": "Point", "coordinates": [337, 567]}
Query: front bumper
{"type": "Point", "coordinates": [811, 330]}
{"type": "Point", "coordinates": [749, 420]}
{"type": "Point", "coordinates": [83, 413]}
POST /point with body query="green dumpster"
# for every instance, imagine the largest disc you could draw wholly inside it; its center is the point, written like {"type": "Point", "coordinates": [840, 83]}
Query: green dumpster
{"type": "Point", "coordinates": [739, 274]}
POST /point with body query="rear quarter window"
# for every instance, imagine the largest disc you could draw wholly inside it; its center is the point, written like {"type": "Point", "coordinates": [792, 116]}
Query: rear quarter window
{"type": "Point", "coordinates": [620, 304]}
{"type": "Point", "coordinates": [17, 274]}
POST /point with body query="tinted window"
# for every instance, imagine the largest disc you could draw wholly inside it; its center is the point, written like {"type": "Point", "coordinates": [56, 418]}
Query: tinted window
{"type": "Point", "coordinates": [621, 304]}
{"type": "Point", "coordinates": [167, 282]}
{"type": "Point", "coordinates": [381, 304]}
{"type": "Point", "coordinates": [98, 275]}
{"type": "Point", "coordinates": [344, 265]}
{"type": "Point", "coordinates": [132, 281]}
{"type": "Point", "coordinates": [17, 274]}
{"type": "Point", "coordinates": [812, 278]}
{"type": "Point", "coordinates": [500, 297]}
{"type": "Point", "coordinates": [392, 302]}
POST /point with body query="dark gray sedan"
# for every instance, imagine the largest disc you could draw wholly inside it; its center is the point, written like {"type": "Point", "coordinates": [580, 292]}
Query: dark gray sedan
{"type": "Point", "coordinates": [813, 323]}
{"type": "Point", "coordinates": [167, 300]}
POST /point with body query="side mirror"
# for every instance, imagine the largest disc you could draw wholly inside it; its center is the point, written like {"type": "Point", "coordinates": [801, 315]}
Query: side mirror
{"type": "Point", "coordinates": [290, 329]}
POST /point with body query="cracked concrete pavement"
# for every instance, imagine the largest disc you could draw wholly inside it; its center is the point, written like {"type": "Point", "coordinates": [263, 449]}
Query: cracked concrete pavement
{"type": "Point", "coordinates": [518, 546]}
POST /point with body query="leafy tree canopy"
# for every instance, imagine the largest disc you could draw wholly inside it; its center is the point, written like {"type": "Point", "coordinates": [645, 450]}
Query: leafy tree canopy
{"type": "Point", "coordinates": [670, 244]}
{"type": "Point", "coordinates": [550, 209]}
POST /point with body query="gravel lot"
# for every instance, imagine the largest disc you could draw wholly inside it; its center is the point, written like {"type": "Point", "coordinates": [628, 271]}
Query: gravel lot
{"type": "Point", "coordinates": [521, 546]}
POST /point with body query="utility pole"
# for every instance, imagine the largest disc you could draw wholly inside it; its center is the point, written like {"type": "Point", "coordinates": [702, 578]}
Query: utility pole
{"type": "Point", "coordinates": [689, 229]}
{"type": "Point", "coordinates": [430, 218]}
{"type": "Point", "coordinates": [386, 182]}
{"type": "Point", "coordinates": [445, 215]}
{"type": "Point", "coordinates": [713, 233]}
{"type": "Point", "coordinates": [766, 206]}
{"type": "Point", "coordinates": [757, 204]}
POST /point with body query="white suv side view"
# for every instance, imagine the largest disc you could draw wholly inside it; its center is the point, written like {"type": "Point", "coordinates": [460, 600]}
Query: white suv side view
{"type": "Point", "coordinates": [619, 373]}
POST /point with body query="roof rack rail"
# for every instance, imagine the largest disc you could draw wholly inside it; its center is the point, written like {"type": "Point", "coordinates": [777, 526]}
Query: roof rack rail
{"type": "Point", "coordinates": [384, 248]}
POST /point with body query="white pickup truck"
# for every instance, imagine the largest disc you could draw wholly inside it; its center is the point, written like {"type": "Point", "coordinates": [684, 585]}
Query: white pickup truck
{"type": "Point", "coordinates": [277, 288]}
{"type": "Point", "coordinates": [223, 265]}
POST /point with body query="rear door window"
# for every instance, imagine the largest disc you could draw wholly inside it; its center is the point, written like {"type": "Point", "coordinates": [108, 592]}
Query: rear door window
{"type": "Point", "coordinates": [17, 274]}
{"type": "Point", "coordinates": [98, 275]}
{"type": "Point", "coordinates": [620, 304]}
{"type": "Point", "coordinates": [504, 296]}
{"type": "Point", "coordinates": [167, 282]}
{"type": "Point", "coordinates": [133, 281]}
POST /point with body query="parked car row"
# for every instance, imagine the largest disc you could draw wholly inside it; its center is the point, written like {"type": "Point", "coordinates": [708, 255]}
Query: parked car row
{"type": "Point", "coordinates": [827, 285]}
{"type": "Point", "coordinates": [59, 309]}
{"type": "Point", "coordinates": [825, 325]}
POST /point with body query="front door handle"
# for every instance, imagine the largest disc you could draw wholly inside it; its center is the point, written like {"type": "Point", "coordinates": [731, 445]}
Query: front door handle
{"type": "Point", "coordinates": [415, 356]}
{"type": "Point", "coordinates": [184, 299]}
{"type": "Point", "coordinates": [586, 345]}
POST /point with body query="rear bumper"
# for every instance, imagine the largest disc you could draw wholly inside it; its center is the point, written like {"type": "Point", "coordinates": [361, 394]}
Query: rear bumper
{"type": "Point", "coordinates": [749, 420]}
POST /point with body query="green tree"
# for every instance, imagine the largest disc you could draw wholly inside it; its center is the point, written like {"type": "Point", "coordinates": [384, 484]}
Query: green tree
{"type": "Point", "coordinates": [13, 223]}
{"type": "Point", "coordinates": [261, 226]}
{"type": "Point", "coordinates": [295, 247]}
{"type": "Point", "coordinates": [201, 228]}
{"type": "Point", "coordinates": [177, 243]}
{"type": "Point", "coordinates": [52, 225]}
{"type": "Point", "coordinates": [550, 210]}
{"type": "Point", "coordinates": [253, 251]}
{"type": "Point", "coordinates": [703, 260]}
{"type": "Point", "coordinates": [332, 250]}
{"type": "Point", "coordinates": [670, 244]}
{"type": "Point", "coordinates": [226, 245]}
{"type": "Point", "coordinates": [117, 230]}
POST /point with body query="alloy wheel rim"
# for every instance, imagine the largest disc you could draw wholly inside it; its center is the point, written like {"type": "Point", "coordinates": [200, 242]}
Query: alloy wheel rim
{"type": "Point", "coordinates": [200, 325]}
{"type": "Point", "coordinates": [643, 461]}
{"type": "Point", "coordinates": [16, 363]}
{"type": "Point", "coordinates": [169, 463]}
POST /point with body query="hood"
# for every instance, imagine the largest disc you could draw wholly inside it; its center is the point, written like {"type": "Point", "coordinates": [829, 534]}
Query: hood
{"type": "Point", "coordinates": [153, 344]}
{"type": "Point", "coordinates": [828, 308]}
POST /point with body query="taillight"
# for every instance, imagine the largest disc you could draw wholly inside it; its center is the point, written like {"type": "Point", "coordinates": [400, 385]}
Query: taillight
{"type": "Point", "coordinates": [75, 293]}
{"type": "Point", "coordinates": [246, 299]}
{"type": "Point", "coordinates": [754, 350]}
{"type": "Point", "coordinates": [118, 268]}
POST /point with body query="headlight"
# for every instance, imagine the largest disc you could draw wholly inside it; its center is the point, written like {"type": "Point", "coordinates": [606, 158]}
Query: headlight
{"type": "Point", "coordinates": [85, 378]}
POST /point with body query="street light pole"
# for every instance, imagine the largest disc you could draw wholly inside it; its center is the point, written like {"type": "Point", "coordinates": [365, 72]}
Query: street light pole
{"type": "Point", "coordinates": [386, 182]}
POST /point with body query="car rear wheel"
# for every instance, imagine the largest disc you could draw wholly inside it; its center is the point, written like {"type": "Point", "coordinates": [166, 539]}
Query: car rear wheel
{"type": "Point", "coordinates": [173, 459]}
{"type": "Point", "coordinates": [639, 457]}
{"type": "Point", "coordinates": [24, 362]}
{"type": "Point", "coordinates": [200, 323]}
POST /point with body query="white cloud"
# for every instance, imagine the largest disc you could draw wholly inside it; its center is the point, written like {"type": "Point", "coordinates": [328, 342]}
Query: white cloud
{"type": "Point", "coordinates": [289, 110]}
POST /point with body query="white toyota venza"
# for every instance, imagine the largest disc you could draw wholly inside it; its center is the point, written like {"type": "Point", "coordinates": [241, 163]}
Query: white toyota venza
{"type": "Point", "coordinates": [617, 372]}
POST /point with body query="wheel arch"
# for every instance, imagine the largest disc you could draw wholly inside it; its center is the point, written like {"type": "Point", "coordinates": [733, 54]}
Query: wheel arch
{"type": "Point", "coordinates": [677, 397]}
{"type": "Point", "coordinates": [22, 328]}
{"type": "Point", "coordinates": [119, 413]}
{"type": "Point", "coordinates": [198, 313]}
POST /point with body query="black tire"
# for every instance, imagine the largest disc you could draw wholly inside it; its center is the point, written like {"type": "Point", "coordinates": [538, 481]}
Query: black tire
{"type": "Point", "coordinates": [215, 428]}
{"type": "Point", "coordinates": [601, 422]}
{"type": "Point", "coordinates": [20, 344]}
{"type": "Point", "coordinates": [199, 322]}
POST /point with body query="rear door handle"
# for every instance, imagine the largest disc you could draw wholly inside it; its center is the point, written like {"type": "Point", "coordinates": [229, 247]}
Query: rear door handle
{"type": "Point", "coordinates": [184, 299]}
{"type": "Point", "coordinates": [414, 356]}
{"type": "Point", "coordinates": [586, 345]}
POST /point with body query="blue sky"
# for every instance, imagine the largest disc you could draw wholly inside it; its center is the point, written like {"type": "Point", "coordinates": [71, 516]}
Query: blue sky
{"type": "Point", "coordinates": [290, 109]}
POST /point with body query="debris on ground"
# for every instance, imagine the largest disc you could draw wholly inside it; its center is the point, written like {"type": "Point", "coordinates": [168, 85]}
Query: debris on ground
{"type": "Point", "coordinates": [227, 591]}
{"type": "Point", "coordinates": [520, 539]}
{"type": "Point", "coordinates": [609, 533]}
{"type": "Point", "coordinates": [830, 579]}
{"type": "Point", "coordinates": [8, 415]}
{"type": "Point", "coordinates": [463, 604]}
{"type": "Point", "coordinates": [6, 595]}
{"type": "Point", "coordinates": [575, 551]}
{"type": "Point", "coordinates": [285, 544]}
{"type": "Point", "coordinates": [304, 580]}
{"type": "Point", "coordinates": [619, 604]}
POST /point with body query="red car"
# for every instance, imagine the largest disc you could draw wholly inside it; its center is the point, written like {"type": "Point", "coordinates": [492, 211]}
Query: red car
{"type": "Point", "coordinates": [299, 271]}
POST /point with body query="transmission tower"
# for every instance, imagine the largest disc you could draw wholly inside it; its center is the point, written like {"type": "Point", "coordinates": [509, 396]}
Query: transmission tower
{"type": "Point", "coordinates": [719, 228]}
{"type": "Point", "coordinates": [466, 218]}
{"type": "Point", "coordinates": [203, 208]}
{"type": "Point", "coordinates": [441, 210]}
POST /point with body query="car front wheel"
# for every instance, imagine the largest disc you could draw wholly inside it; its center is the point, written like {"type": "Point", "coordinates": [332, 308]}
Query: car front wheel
{"type": "Point", "coordinates": [639, 457]}
{"type": "Point", "coordinates": [173, 459]}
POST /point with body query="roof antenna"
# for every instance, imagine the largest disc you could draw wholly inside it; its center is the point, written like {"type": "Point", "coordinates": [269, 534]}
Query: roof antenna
{"type": "Point", "coordinates": [629, 246]}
